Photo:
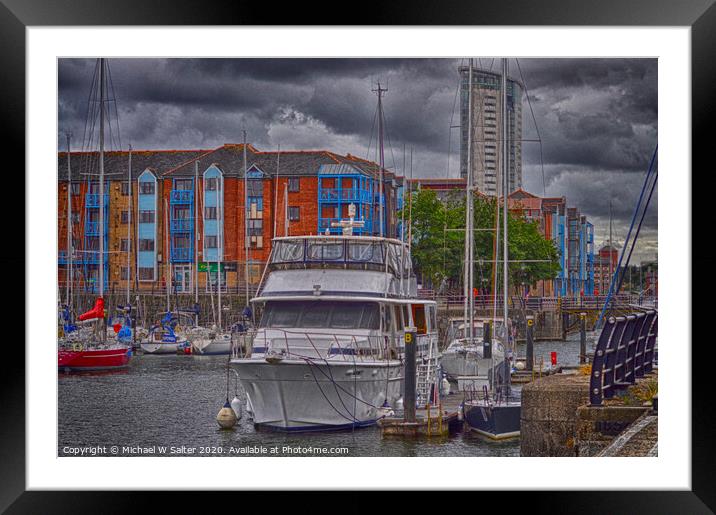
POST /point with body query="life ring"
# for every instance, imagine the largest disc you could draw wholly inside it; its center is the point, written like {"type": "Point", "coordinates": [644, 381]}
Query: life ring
{"type": "Point", "coordinates": [76, 347]}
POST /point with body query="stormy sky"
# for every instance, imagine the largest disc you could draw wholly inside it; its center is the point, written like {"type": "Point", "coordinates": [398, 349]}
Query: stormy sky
{"type": "Point", "coordinates": [597, 118]}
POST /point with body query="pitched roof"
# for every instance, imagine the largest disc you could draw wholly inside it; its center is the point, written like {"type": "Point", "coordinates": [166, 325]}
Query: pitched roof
{"type": "Point", "coordinates": [116, 163]}
{"type": "Point", "coordinates": [230, 158]}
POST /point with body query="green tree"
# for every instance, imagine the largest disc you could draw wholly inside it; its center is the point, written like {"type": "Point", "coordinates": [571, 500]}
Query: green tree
{"type": "Point", "coordinates": [438, 245]}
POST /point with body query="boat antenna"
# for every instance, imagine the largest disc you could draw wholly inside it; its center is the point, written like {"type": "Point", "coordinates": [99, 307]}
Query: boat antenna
{"type": "Point", "coordinates": [379, 91]}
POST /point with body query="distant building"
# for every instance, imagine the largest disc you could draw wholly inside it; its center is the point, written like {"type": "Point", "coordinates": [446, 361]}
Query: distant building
{"type": "Point", "coordinates": [187, 211]}
{"type": "Point", "coordinates": [605, 264]}
{"type": "Point", "coordinates": [487, 129]}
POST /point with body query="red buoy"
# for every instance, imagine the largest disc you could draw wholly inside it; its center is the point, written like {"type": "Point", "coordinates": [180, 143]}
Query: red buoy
{"type": "Point", "coordinates": [553, 357]}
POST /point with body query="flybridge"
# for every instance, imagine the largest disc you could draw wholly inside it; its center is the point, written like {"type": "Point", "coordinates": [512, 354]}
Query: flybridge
{"type": "Point", "coordinates": [339, 265]}
{"type": "Point", "coordinates": [361, 252]}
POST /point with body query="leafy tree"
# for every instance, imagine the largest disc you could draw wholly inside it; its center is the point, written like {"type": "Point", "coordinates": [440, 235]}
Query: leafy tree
{"type": "Point", "coordinates": [438, 244]}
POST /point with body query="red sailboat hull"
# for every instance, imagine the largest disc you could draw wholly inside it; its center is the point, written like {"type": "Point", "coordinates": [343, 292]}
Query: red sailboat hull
{"type": "Point", "coordinates": [93, 359]}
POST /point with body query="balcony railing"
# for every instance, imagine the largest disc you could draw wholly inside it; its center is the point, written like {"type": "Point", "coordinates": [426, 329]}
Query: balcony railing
{"type": "Point", "coordinates": [92, 199]}
{"type": "Point", "coordinates": [181, 254]}
{"type": "Point", "coordinates": [348, 195]}
{"type": "Point", "coordinates": [91, 228]}
{"type": "Point", "coordinates": [182, 196]}
{"type": "Point", "coordinates": [182, 225]}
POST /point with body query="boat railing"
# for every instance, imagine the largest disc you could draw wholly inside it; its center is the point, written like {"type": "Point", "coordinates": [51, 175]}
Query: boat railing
{"type": "Point", "coordinates": [325, 346]}
{"type": "Point", "coordinates": [241, 344]}
{"type": "Point", "coordinates": [625, 351]}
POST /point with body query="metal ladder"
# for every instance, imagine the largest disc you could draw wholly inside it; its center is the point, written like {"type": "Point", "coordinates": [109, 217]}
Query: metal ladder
{"type": "Point", "coordinates": [426, 371]}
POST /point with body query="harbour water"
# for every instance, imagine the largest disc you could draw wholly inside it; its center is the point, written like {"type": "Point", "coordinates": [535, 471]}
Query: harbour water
{"type": "Point", "coordinates": [167, 405]}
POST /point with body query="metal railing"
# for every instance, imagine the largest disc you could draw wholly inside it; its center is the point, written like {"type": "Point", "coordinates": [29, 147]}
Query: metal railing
{"type": "Point", "coordinates": [182, 225]}
{"type": "Point", "coordinates": [624, 352]}
{"type": "Point", "coordinates": [181, 196]}
{"type": "Point", "coordinates": [348, 194]}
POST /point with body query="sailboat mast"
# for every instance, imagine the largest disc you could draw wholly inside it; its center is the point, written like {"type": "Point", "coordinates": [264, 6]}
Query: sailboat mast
{"type": "Point", "coordinates": [129, 225]}
{"type": "Point", "coordinates": [505, 192]}
{"type": "Point", "coordinates": [275, 190]}
{"type": "Point", "coordinates": [467, 318]}
{"type": "Point", "coordinates": [101, 177]}
{"type": "Point", "coordinates": [196, 238]}
{"type": "Point", "coordinates": [167, 253]}
{"type": "Point", "coordinates": [246, 223]}
{"type": "Point", "coordinates": [70, 250]}
{"type": "Point", "coordinates": [219, 245]}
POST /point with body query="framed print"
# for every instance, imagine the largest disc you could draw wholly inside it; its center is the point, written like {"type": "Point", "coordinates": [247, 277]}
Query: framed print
{"type": "Point", "coordinates": [283, 256]}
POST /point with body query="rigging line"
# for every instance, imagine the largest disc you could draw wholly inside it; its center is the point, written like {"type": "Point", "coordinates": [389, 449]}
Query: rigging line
{"type": "Point", "coordinates": [114, 101]}
{"type": "Point", "coordinates": [372, 129]}
{"type": "Point", "coordinates": [638, 229]}
{"type": "Point", "coordinates": [534, 120]}
{"type": "Point", "coordinates": [385, 122]}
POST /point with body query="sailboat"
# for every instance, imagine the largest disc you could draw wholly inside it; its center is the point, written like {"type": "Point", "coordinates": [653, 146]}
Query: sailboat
{"type": "Point", "coordinates": [96, 352]}
{"type": "Point", "coordinates": [495, 411]}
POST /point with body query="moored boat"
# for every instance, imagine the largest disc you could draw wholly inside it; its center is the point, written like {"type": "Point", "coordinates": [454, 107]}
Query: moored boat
{"type": "Point", "coordinates": [327, 352]}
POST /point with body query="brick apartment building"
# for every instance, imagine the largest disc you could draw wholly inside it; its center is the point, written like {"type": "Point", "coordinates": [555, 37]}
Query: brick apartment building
{"type": "Point", "coordinates": [191, 209]}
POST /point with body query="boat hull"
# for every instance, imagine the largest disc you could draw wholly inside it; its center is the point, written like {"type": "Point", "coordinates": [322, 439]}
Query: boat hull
{"type": "Point", "coordinates": [160, 347]}
{"type": "Point", "coordinates": [213, 347]}
{"type": "Point", "coordinates": [300, 396]}
{"type": "Point", "coordinates": [93, 359]}
{"type": "Point", "coordinates": [456, 364]}
{"type": "Point", "coordinates": [496, 422]}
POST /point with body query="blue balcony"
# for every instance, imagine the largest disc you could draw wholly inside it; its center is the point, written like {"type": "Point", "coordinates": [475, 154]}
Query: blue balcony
{"type": "Point", "coordinates": [92, 200]}
{"type": "Point", "coordinates": [182, 255]}
{"type": "Point", "coordinates": [182, 225]}
{"type": "Point", "coordinates": [91, 228]}
{"type": "Point", "coordinates": [345, 195]}
{"type": "Point", "coordinates": [181, 197]}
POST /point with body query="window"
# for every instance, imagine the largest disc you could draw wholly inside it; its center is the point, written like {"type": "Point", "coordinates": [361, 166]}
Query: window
{"type": "Point", "coordinates": [125, 217]}
{"type": "Point", "coordinates": [293, 184]}
{"type": "Point", "coordinates": [124, 273]}
{"type": "Point", "coordinates": [210, 213]}
{"type": "Point", "coordinates": [182, 241]}
{"type": "Point", "coordinates": [182, 213]}
{"type": "Point", "coordinates": [92, 242]}
{"type": "Point", "coordinates": [257, 242]}
{"type": "Point", "coordinates": [124, 245]}
{"type": "Point", "coordinates": [183, 184]}
{"type": "Point", "coordinates": [75, 218]}
{"type": "Point", "coordinates": [256, 206]}
{"type": "Point", "coordinates": [146, 217]}
{"type": "Point", "coordinates": [146, 274]}
{"type": "Point", "coordinates": [293, 213]}
{"type": "Point", "coordinates": [146, 245]}
{"type": "Point", "coordinates": [211, 183]}
{"type": "Point", "coordinates": [256, 227]}
{"type": "Point", "coordinates": [317, 314]}
{"type": "Point", "coordinates": [255, 188]}
{"type": "Point", "coordinates": [146, 188]}
{"type": "Point", "coordinates": [210, 242]}
{"type": "Point", "coordinates": [125, 188]}
{"type": "Point", "coordinates": [75, 188]}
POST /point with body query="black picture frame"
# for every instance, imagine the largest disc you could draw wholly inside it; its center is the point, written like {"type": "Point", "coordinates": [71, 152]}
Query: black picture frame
{"type": "Point", "coordinates": [700, 15]}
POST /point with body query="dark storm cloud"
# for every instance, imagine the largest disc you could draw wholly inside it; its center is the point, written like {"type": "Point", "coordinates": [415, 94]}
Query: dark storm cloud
{"type": "Point", "coordinates": [597, 118]}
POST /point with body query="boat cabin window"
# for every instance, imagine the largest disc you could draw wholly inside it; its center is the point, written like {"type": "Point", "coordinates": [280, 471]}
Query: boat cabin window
{"type": "Point", "coordinates": [288, 251]}
{"type": "Point", "coordinates": [324, 251]}
{"type": "Point", "coordinates": [365, 252]}
{"type": "Point", "coordinates": [320, 314]}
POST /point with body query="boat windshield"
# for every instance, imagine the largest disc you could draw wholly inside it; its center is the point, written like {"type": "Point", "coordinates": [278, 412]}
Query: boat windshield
{"type": "Point", "coordinates": [317, 314]}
